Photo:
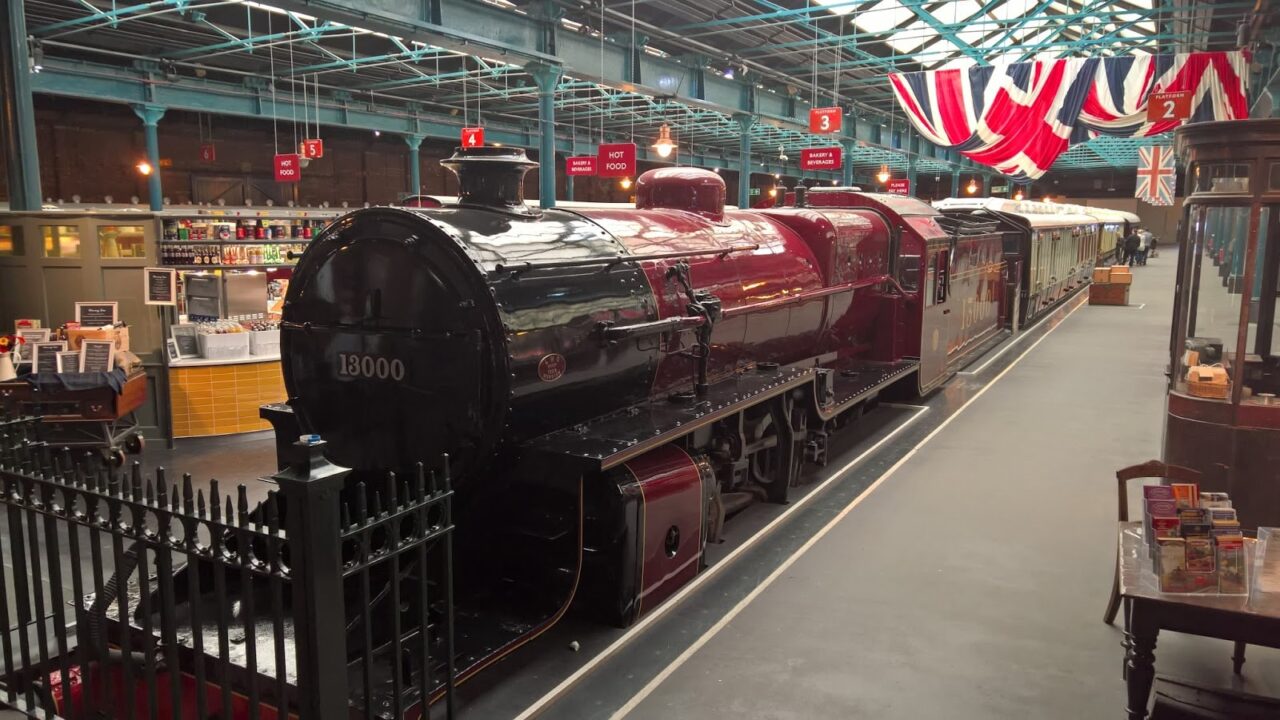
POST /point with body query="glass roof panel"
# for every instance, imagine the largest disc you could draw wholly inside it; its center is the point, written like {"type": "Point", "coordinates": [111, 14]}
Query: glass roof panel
{"type": "Point", "coordinates": [883, 16]}
{"type": "Point", "coordinates": [843, 9]}
{"type": "Point", "coordinates": [1011, 9]}
{"type": "Point", "coordinates": [956, 11]}
{"type": "Point", "coordinates": [939, 52]}
{"type": "Point", "coordinates": [911, 37]}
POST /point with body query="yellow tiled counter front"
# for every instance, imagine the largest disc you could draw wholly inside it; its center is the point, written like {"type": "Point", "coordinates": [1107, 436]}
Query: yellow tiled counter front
{"type": "Point", "coordinates": [223, 399]}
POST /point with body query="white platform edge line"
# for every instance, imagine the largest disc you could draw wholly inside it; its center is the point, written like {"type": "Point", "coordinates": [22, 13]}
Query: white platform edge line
{"type": "Point", "coordinates": [786, 564]}
{"type": "Point", "coordinates": [541, 703]}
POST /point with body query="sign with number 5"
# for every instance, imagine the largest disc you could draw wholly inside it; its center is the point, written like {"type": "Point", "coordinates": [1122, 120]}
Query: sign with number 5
{"type": "Point", "coordinates": [1169, 106]}
{"type": "Point", "coordinates": [825, 120]}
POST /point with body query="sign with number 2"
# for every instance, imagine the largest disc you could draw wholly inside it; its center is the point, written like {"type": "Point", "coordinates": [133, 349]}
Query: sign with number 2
{"type": "Point", "coordinates": [1169, 106]}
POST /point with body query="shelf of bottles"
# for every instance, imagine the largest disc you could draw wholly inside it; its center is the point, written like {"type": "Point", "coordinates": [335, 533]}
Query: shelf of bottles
{"type": "Point", "coordinates": [223, 241]}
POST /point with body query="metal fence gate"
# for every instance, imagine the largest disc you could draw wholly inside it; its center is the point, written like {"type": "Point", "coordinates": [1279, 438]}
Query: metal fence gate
{"type": "Point", "coordinates": [154, 597]}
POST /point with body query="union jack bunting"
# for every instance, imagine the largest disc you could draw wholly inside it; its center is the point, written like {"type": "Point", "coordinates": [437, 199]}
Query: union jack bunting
{"type": "Point", "coordinates": [1155, 175]}
{"type": "Point", "coordinates": [1018, 118]}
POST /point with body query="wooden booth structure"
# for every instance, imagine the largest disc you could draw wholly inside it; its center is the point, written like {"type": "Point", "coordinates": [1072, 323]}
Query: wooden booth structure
{"type": "Point", "coordinates": [1227, 424]}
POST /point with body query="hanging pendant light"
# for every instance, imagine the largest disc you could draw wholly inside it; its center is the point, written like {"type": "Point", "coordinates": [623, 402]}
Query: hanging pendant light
{"type": "Point", "coordinates": [883, 175]}
{"type": "Point", "coordinates": [664, 145]}
{"type": "Point", "coordinates": [1017, 195]}
{"type": "Point", "coordinates": [625, 183]}
{"type": "Point", "coordinates": [972, 187]}
{"type": "Point", "coordinates": [144, 168]}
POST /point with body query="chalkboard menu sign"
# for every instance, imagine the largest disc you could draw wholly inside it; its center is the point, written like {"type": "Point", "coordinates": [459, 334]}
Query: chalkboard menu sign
{"type": "Point", "coordinates": [186, 337]}
{"type": "Point", "coordinates": [161, 286]}
{"type": "Point", "coordinates": [69, 361]}
{"type": "Point", "coordinates": [97, 356]}
{"type": "Point", "coordinates": [97, 314]}
{"type": "Point", "coordinates": [46, 354]}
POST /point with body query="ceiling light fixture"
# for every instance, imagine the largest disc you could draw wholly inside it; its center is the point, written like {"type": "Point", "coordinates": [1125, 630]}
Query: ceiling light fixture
{"type": "Point", "coordinates": [144, 168]}
{"type": "Point", "coordinates": [625, 183]}
{"type": "Point", "coordinates": [782, 153]}
{"type": "Point", "coordinates": [664, 145]}
{"type": "Point", "coordinates": [972, 187]}
{"type": "Point", "coordinates": [883, 175]}
{"type": "Point", "coordinates": [1017, 195]}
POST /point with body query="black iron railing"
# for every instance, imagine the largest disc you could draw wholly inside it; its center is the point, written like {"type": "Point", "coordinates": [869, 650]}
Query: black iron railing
{"type": "Point", "coordinates": [142, 597]}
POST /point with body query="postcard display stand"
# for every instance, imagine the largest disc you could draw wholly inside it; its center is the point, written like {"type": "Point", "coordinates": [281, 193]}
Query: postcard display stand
{"type": "Point", "coordinates": [1195, 545]}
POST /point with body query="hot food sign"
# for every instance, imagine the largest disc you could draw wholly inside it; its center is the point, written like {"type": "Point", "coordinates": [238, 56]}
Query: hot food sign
{"type": "Point", "coordinates": [616, 160]}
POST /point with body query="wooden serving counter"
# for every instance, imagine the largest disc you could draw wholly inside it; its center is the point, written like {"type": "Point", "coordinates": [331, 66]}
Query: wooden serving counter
{"type": "Point", "coordinates": [221, 397]}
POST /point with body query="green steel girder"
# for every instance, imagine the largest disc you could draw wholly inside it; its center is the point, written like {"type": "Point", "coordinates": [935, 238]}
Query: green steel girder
{"type": "Point", "coordinates": [137, 88]}
{"type": "Point", "coordinates": [945, 31]}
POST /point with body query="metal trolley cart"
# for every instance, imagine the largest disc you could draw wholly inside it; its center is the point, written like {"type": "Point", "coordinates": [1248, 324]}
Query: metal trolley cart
{"type": "Point", "coordinates": [91, 418]}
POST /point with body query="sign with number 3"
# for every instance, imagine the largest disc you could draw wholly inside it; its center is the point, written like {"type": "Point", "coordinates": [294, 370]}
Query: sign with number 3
{"type": "Point", "coordinates": [824, 120]}
{"type": "Point", "coordinates": [1169, 106]}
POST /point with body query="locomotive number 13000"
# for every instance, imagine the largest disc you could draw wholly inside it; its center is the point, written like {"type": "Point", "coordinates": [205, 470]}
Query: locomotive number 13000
{"type": "Point", "coordinates": [369, 366]}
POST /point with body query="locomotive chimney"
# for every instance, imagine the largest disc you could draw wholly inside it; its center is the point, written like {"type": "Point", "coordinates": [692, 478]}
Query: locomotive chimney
{"type": "Point", "coordinates": [491, 177]}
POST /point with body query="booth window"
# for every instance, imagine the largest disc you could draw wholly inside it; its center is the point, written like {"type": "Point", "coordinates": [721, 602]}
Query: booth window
{"type": "Point", "coordinates": [1273, 182]}
{"type": "Point", "coordinates": [61, 241]}
{"type": "Point", "coordinates": [1222, 177]}
{"type": "Point", "coordinates": [121, 241]}
{"type": "Point", "coordinates": [10, 240]}
{"type": "Point", "coordinates": [1262, 363]}
{"type": "Point", "coordinates": [1215, 262]}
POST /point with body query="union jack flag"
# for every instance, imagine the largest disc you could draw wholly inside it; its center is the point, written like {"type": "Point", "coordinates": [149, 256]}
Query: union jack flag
{"type": "Point", "coordinates": [1018, 118]}
{"type": "Point", "coordinates": [1155, 175]}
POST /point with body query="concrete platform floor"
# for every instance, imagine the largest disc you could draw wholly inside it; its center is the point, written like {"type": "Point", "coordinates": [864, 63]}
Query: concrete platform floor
{"type": "Point", "coordinates": [971, 583]}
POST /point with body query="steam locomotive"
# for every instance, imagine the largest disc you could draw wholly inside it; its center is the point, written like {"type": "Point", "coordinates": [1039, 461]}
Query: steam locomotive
{"type": "Point", "coordinates": [612, 384]}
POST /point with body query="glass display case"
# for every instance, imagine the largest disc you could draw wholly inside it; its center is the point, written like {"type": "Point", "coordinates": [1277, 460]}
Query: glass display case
{"type": "Point", "coordinates": [1223, 415]}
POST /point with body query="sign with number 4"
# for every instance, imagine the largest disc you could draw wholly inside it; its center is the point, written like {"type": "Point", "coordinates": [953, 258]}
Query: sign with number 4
{"type": "Point", "coordinates": [825, 120]}
{"type": "Point", "coordinates": [472, 137]}
{"type": "Point", "coordinates": [1169, 106]}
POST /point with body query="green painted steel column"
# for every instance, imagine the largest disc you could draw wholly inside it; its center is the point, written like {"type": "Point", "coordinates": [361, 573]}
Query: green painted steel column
{"type": "Point", "coordinates": [17, 112]}
{"type": "Point", "coordinates": [150, 116]}
{"type": "Point", "coordinates": [745, 121]}
{"type": "Point", "coordinates": [846, 167]}
{"type": "Point", "coordinates": [547, 78]}
{"type": "Point", "coordinates": [955, 183]}
{"type": "Point", "coordinates": [911, 178]}
{"type": "Point", "coordinates": [415, 163]}
{"type": "Point", "coordinates": [568, 188]}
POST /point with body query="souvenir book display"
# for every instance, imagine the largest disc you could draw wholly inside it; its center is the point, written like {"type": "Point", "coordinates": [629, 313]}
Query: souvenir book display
{"type": "Point", "coordinates": [1194, 540]}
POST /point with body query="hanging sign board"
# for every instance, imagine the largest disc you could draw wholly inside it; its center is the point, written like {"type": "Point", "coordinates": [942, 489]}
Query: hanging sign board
{"type": "Point", "coordinates": [580, 165]}
{"type": "Point", "coordinates": [312, 148]}
{"type": "Point", "coordinates": [288, 168]}
{"type": "Point", "coordinates": [825, 120]}
{"type": "Point", "coordinates": [160, 286]}
{"type": "Point", "coordinates": [828, 158]}
{"type": "Point", "coordinates": [208, 153]}
{"type": "Point", "coordinates": [616, 160]}
{"type": "Point", "coordinates": [898, 186]}
{"type": "Point", "coordinates": [1169, 106]}
{"type": "Point", "coordinates": [472, 137]}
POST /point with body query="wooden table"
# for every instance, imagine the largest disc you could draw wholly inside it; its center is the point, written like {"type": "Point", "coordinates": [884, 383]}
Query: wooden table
{"type": "Point", "coordinates": [1228, 617]}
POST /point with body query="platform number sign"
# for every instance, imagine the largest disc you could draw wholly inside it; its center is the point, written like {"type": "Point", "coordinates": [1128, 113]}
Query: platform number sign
{"type": "Point", "coordinates": [1169, 106]}
{"type": "Point", "coordinates": [288, 168]}
{"type": "Point", "coordinates": [825, 120]}
{"type": "Point", "coordinates": [312, 148]}
{"type": "Point", "coordinates": [208, 153]}
{"type": "Point", "coordinates": [472, 137]}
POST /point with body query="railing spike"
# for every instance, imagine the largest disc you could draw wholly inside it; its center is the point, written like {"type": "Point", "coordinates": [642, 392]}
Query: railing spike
{"type": "Point", "coordinates": [419, 481]}
{"type": "Point", "coordinates": [362, 504]}
{"type": "Point", "coordinates": [200, 509]}
{"type": "Point", "coordinates": [392, 495]}
{"type": "Point", "coordinates": [188, 496]}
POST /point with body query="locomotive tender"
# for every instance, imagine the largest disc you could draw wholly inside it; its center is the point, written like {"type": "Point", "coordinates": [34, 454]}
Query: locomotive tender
{"type": "Point", "coordinates": [609, 383]}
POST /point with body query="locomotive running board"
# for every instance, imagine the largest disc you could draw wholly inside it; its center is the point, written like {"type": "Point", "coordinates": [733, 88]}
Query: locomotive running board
{"type": "Point", "coordinates": [856, 381]}
{"type": "Point", "coordinates": [613, 439]}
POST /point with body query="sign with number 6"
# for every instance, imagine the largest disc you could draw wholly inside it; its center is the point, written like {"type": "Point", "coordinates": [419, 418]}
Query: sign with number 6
{"type": "Point", "coordinates": [1169, 106]}
{"type": "Point", "coordinates": [825, 120]}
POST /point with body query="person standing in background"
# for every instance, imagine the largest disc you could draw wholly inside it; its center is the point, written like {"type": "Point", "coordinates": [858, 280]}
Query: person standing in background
{"type": "Point", "coordinates": [1131, 243]}
{"type": "Point", "coordinates": [1144, 246]}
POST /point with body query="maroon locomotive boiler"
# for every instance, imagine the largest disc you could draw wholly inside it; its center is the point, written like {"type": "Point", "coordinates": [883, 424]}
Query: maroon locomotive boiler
{"type": "Point", "coordinates": [611, 384]}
